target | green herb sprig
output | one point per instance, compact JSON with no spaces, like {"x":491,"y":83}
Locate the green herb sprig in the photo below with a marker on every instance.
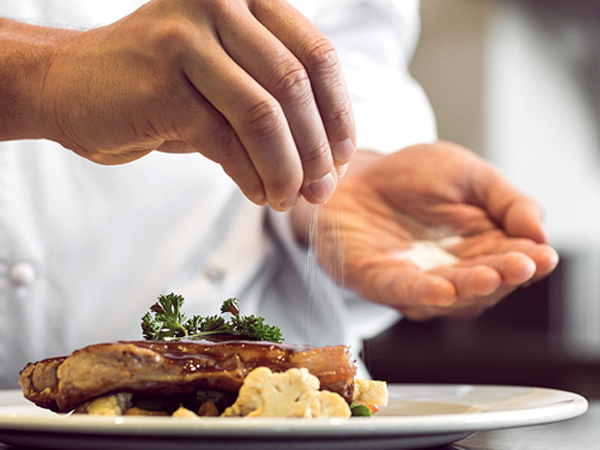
{"x":167,"y":322}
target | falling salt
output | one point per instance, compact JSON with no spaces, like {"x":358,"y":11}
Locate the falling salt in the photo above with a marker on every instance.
{"x":428,"y":255}
{"x":310,"y":274}
{"x":318,"y":287}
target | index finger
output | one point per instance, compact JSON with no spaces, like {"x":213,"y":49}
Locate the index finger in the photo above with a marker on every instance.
{"x":400,"y":284}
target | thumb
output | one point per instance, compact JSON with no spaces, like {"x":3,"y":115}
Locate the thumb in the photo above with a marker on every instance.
{"x":517,"y":214}
{"x":524,"y":218}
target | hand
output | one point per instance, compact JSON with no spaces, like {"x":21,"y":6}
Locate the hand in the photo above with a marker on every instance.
{"x":425,"y":197}
{"x":250,"y":84}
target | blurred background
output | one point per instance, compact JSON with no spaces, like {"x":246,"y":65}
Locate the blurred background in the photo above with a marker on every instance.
{"x":517,"y":81}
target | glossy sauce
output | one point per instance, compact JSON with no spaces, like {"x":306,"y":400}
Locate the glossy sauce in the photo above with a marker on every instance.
{"x":225,"y":356}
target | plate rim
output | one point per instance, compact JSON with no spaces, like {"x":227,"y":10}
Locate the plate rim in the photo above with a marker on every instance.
{"x":571,"y":406}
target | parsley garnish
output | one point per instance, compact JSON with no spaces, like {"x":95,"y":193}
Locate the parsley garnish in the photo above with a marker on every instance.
{"x":167,"y":322}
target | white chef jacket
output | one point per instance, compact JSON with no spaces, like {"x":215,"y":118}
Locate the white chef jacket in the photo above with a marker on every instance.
{"x":85,"y":249}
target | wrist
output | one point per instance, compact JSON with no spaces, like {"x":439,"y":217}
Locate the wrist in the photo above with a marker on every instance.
{"x":26,"y":54}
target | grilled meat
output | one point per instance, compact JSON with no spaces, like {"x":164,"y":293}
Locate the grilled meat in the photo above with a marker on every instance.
{"x":176,"y":367}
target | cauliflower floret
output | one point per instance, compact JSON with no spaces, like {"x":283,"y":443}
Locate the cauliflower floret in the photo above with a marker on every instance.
{"x":294,"y":393}
{"x":370,"y":392}
{"x":107,"y":405}
{"x":184,"y":413}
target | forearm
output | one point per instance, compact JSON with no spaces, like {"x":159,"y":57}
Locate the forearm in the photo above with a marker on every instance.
{"x":25,"y":56}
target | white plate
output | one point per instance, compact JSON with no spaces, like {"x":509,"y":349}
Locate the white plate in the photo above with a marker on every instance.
{"x":418,"y":416}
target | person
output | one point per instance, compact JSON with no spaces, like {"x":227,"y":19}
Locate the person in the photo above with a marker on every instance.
{"x":281,"y":99}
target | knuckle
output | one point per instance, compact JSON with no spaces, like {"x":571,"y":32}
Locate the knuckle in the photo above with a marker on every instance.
{"x":215,"y":7}
{"x":263,"y":119}
{"x":316,"y":156}
{"x":170,"y":35}
{"x":218,"y":13}
{"x":292,"y":81}
{"x":230,"y":152}
{"x":343,"y":114}
{"x":322,"y":56}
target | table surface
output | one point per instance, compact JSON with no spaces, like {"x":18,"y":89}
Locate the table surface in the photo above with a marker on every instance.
{"x":580,"y":433}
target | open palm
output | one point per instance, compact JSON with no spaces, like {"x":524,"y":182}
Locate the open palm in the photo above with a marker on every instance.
{"x":432,"y":230}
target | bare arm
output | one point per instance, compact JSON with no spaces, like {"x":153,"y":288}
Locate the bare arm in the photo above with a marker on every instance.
{"x":25,"y":56}
{"x":250,"y":84}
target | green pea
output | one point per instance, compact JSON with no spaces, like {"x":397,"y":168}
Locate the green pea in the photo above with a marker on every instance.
{"x":360,"y":410}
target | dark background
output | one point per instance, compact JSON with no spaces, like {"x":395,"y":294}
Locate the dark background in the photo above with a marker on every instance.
{"x":518,"y":342}
{"x":523,"y":340}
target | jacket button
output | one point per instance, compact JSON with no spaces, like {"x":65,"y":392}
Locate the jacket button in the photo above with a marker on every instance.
{"x":22,"y":274}
{"x":215,"y":274}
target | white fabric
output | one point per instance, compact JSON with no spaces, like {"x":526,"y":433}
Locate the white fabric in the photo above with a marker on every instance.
{"x":85,"y":249}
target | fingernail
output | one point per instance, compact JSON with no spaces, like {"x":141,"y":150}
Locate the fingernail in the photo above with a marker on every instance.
{"x":343,"y":151}
{"x":289,"y":203}
{"x":322,"y":189}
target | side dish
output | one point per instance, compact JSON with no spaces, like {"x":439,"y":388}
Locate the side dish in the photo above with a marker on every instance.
{"x":179,"y":372}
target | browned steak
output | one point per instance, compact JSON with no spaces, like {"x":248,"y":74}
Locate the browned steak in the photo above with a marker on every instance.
{"x":163,"y":368}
